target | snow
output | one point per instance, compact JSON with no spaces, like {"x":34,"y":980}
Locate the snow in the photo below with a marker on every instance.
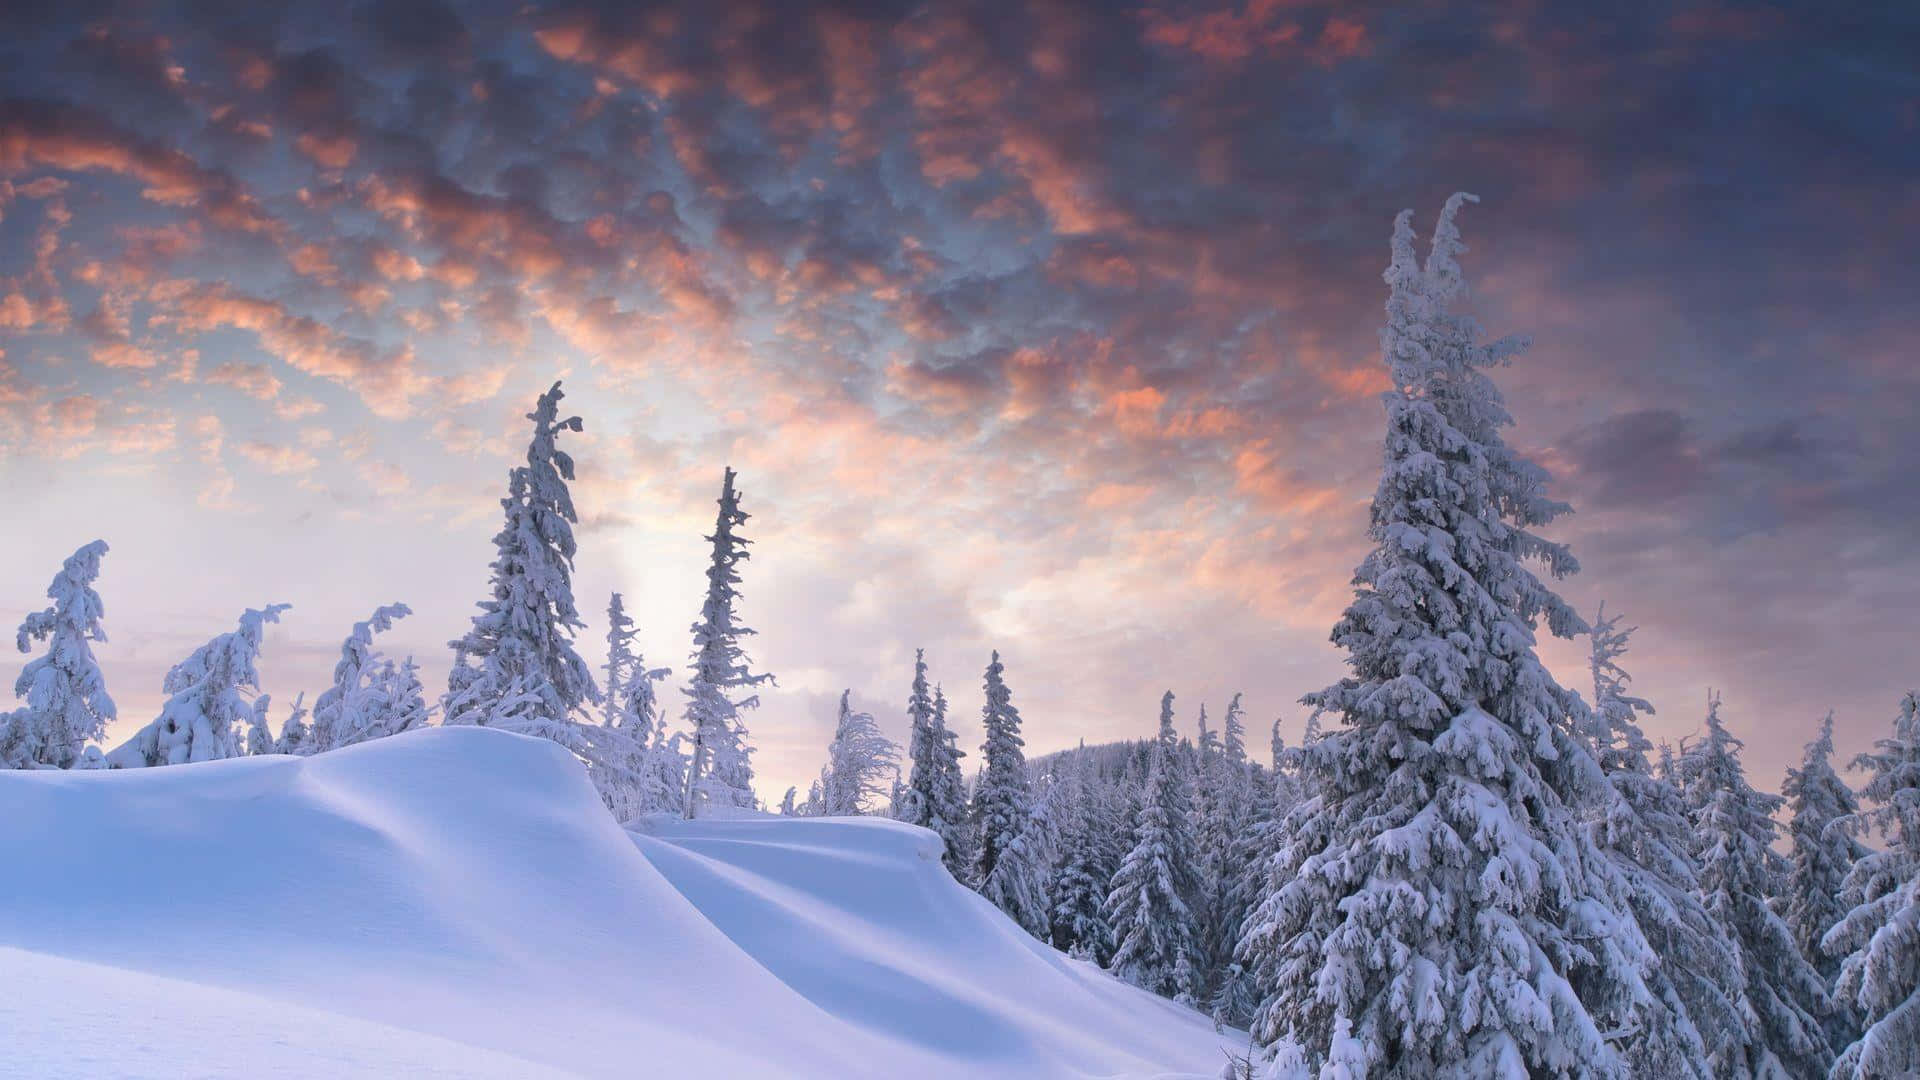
{"x":457,"y":901}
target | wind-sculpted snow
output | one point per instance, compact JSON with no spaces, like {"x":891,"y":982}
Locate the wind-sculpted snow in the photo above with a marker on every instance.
{"x":461,"y":897}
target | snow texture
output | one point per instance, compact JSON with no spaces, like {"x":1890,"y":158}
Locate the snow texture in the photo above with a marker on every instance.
{"x":458,"y":902}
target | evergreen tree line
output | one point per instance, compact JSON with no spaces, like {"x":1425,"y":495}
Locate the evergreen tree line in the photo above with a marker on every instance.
{"x":1472,"y":871}
{"x":1476,"y":871}
{"x":515,"y":668}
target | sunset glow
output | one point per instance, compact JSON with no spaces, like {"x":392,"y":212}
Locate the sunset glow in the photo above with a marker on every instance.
{"x":1038,"y":327}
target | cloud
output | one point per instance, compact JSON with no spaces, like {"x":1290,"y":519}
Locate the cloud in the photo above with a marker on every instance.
{"x":253,"y":380}
{"x":384,"y":379}
{"x":43,"y":134}
{"x":1058,"y":322}
{"x":1639,"y":458}
{"x":276,"y":459}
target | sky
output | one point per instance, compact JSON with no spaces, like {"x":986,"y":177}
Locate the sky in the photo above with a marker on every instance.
{"x":1042,"y":327}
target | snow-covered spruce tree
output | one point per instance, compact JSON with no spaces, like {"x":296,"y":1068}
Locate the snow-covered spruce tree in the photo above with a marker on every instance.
{"x":916,"y":804}
{"x":294,"y":733}
{"x":353,"y":709}
{"x":1023,"y":875}
{"x":403,"y":699}
{"x":1233,"y":733}
{"x":936,"y":796}
{"x":862,"y":764}
{"x":1785,"y":999}
{"x":1080,"y":882}
{"x":1822,"y":853}
{"x":1003,"y":797}
{"x":210,"y":694}
{"x":1696,"y":988}
{"x":259,"y":734}
{"x":721,"y":773}
{"x":1149,"y":904}
{"x":66,"y":697}
{"x":1223,"y":813}
{"x":1437,"y":900}
{"x":1251,"y":851}
{"x":516,"y":667}
{"x":636,"y":767}
{"x":1879,"y":938}
{"x":953,"y":782}
{"x":620,"y":662}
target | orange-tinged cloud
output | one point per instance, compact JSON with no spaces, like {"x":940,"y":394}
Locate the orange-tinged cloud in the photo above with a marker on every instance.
{"x":120,"y":354}
{"x":35,"y":135}
{"x":1136,"y":411}
{"x":384,"y":380}
{"x":1222,"y":37}
{"x":74,"y":417}
{"x":253,"y":380}
{"x":328,"y":151}
{"x":276,"y":459}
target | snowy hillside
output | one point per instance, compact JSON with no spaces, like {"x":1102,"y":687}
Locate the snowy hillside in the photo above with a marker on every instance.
{"x":456,"y":902}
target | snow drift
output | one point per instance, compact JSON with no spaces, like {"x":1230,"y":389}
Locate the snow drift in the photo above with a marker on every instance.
{"x":456,"y":902}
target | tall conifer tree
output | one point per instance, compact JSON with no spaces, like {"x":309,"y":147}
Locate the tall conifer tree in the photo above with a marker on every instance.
{"x":516,"y":666}
{"x":1437,"y":900}
{"x":721,"y":772}
{"x":1150,"y":902}
{"x":1879,"y":938}
{"x":1785,"y":1000}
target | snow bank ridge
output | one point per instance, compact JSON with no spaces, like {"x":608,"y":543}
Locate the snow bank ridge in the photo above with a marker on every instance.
{"x":459,"y":895}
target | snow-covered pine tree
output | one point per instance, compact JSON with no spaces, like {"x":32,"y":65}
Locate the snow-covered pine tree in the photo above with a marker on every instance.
{"x":935,"y":797}
{"x":403,"y":699}
{"x":516,"y":667}
{"x":862,"y":764}
{"x":354,"y":708}
{"x":66,"y":697}
{"x":1664,"y":764}
{"x":1822,"y":853}
{"x":1695,"y":989}
{"x":787,"y":805}
{"x":1223,"y":812}
{"x":1879,"y":938}
{"x":1149,"y":903}
{"x":1437,"y":898}
{"x":1233,"y":733}
{"x":259,"y":734}
{"x":1080,"y":883}
{"x":916,"y":804}
{"x":1786,"y":1001}
{"x":1002,"y":799}
{"x":666,"y":771}
{"x":294,"y":733}
{"x":620,"y":662}
{"x":632,"y":762}
{"x":721,"y":772}
{"x":1023,"y":875}
{"x":1251,"y":851}
{"x":952,"y":783}
{"x":210,"y":694}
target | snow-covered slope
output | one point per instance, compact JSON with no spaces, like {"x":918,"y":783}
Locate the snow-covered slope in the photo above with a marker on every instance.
{"x":457,"y":900}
